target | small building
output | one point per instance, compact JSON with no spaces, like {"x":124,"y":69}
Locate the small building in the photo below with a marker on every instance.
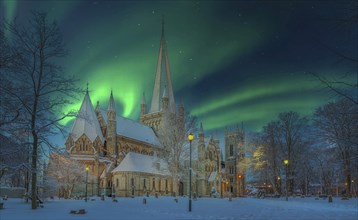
{"x":140,"y":174}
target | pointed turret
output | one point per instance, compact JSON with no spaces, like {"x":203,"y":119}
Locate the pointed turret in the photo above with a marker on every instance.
{"x":201,"y":143}
{"x":100,"y":118}
{"x":111,"y":105}
{"x":162,"y":76}
{"x":181,"y":114}
{"x":111,"y":134}
{"x":86,"y":122}
{"x":201,"y":133}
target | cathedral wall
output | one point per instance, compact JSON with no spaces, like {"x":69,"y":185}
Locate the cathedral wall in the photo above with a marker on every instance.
{"x":128,"y":184}
{"x":126,"y":145}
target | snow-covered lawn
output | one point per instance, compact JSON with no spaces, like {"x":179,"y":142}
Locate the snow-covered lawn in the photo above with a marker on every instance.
{"x":203,"y":208}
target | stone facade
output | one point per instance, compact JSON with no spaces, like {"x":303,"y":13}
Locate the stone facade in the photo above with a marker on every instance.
{"x":234,"y":176}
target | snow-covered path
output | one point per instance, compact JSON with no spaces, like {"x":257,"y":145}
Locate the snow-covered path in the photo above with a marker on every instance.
{"x":204,"y":208}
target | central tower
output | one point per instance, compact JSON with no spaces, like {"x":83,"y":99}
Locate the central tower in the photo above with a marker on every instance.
{"x":163,"y":97}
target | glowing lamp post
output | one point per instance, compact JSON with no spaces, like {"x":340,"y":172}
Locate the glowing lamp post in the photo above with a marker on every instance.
{"x":286,"y":168}
{"x":240,"y":187}
{"x":279,"y":184}
{"x":86,"y":182}
{"x":190,"y":138}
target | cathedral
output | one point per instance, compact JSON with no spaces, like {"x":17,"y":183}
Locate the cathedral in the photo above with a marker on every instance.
{"x":125,"y":157}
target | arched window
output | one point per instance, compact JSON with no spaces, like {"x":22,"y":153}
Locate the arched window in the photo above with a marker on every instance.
{"x":153,"y":184}
{"x":144,"y":183}
{"x":231,"y":150}
{"x":117,"y":182}
{"x":132,"y":181}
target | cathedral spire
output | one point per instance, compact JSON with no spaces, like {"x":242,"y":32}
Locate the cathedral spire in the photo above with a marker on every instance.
{"x":165,"y":95}
{"x":162,"y":78}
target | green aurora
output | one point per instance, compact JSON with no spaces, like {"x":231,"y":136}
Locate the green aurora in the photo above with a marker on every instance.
{"x":243,"y":46}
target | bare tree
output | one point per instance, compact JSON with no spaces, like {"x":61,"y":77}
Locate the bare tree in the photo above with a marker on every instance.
{"x":10,"y":108}
{"x":267,"y":156}
{"x":38,"y":83}
{"x":173,"y":135}
{"x":291,"y":129}
{"x":344,"y":84}
{"x":337,"y":124}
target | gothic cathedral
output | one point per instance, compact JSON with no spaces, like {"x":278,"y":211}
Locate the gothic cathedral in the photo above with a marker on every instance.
{"x":125,"y":157}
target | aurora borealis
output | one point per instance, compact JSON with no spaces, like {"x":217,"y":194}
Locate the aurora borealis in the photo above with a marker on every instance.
{"x":231,"y":61}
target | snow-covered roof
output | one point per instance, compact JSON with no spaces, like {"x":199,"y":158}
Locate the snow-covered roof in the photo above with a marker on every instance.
{"x":135,"y":130}
{"x":135,"y":162}
{"x":87,"y":122}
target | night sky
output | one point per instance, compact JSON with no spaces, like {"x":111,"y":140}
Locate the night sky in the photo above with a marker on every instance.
{"x":231,"y":62}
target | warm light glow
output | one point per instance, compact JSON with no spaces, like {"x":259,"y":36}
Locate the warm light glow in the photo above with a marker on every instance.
{"x":239,"y":176}
{"x":87,"y":168}
{"x":285,"y":162}
{"x":278,"y":178}
{"x":190,"y":137}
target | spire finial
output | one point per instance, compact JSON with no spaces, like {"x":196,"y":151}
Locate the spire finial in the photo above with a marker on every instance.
{"x":111,"y":105}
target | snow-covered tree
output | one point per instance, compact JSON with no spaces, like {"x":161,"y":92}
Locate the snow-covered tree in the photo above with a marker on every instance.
{"x":14,"y":163}
{"x":173,"y":135}
{"x":63,"y":175}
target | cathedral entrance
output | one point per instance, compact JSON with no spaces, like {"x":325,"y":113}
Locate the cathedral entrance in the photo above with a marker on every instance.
{"x":181,"y":188}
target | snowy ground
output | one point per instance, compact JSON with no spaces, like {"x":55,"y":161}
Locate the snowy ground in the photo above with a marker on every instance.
{"x":203,"y":208}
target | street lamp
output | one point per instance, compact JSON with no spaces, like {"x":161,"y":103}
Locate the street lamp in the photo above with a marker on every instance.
{"x":279,"y":184}
{"x":286,"y":168}
{"x":190,"y":138}
{"x":86,"y":183}
{"x":240,"y":188}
